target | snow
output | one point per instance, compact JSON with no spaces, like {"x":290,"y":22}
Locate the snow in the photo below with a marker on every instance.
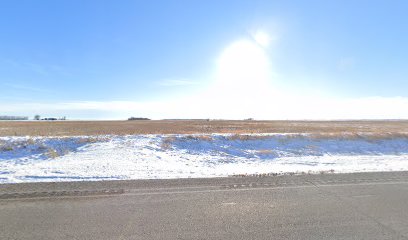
{"x":35,"y":159}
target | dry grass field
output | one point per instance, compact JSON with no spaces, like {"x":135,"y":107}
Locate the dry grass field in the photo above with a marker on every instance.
{"x":75,"y":128}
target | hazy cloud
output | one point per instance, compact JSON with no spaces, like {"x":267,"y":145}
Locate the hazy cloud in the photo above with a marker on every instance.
{"x":200,"y":107}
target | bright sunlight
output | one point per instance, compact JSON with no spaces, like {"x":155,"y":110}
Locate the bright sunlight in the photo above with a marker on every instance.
{"x":243,"y":69}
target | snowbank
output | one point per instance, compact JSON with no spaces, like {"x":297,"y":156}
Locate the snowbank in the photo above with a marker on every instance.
{"x":33,"y":159}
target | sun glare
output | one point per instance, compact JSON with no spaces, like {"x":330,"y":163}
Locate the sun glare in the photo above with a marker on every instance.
{"x":243,"y":70}
{"x":262,"y":39}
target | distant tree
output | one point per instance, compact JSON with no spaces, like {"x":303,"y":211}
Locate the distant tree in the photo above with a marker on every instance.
{"x":137,"y":118}
{"x":37,"y":117}
{"x":14,"y":118}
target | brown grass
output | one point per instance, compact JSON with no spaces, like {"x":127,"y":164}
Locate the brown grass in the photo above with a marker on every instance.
{"x":93,"y":139}
{"x":264,"y":152}
{"x":378,"y":129}
{"x":52,"y":153}
{"x":199,"y":137}
{"x":359,"y":135}
{"x":167,"y":143}
{"x":246,"y":137}
{"x":6,"y":148}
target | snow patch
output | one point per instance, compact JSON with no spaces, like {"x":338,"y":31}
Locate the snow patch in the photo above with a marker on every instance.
{"x":35,"y":159}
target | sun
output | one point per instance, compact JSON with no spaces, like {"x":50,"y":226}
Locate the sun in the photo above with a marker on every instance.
{"x":242,"y":83}
{"x":262,"y":38}
{"x":243,"y":69}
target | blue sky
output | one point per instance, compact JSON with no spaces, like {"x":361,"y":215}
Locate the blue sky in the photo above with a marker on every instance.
{"x":151,"y":58}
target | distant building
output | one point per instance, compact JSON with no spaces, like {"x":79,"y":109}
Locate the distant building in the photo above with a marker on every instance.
{"x":49,"y":119}
{"x":53,"y":119}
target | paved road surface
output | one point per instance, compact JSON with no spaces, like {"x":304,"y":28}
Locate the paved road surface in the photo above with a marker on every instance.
{"x":332,"y":206}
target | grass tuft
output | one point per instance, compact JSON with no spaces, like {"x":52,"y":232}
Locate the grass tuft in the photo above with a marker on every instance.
{"x":167,"y":143}
{"x":246,"y":137}
{"x":6,"y":148}
{"x":198,"y":137}
{"x":265,"y":152}
{"x":52,"y":153}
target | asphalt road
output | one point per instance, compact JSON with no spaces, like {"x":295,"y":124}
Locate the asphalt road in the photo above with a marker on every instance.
{"x":330,"y":206}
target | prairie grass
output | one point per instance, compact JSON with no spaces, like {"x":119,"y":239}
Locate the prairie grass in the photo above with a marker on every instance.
{"x":198,"y":137}
{"x":93,"y":139}
{"x":10,"y":146}
{"x":381,"y":128}
{"x":6,"y":148}
{"x":246,"y":137}
{"x":358,"y":135}
{"x":265,"y":152}
{"x":52,"y":153}
{"x":88,"y":140}
{"x":167,"y":143}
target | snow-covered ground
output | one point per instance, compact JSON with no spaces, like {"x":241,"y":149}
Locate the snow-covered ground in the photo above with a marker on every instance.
{"x":34,"y":159}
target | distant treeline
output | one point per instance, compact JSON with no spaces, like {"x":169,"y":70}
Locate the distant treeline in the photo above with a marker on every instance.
{"x":137,"y":118}
{"x":13,"y":118}
{"x":38,"y":117}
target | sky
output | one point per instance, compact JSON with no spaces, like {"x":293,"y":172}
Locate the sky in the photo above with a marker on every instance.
{"x":87,"y":59}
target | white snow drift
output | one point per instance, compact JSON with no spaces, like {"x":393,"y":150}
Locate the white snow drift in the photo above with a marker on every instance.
{"x":33,"y":159}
